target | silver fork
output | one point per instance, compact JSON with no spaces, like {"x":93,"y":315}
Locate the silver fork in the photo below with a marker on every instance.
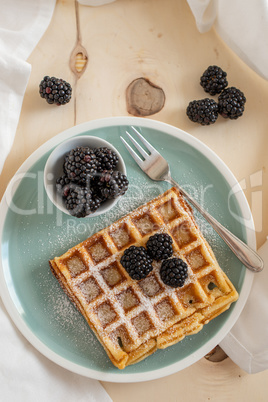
{"x":157,"y":168}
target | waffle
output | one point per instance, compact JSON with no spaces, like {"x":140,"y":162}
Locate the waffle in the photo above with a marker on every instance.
{"x":132,"y":319}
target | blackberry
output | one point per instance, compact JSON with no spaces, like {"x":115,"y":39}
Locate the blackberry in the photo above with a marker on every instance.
{"x":174,"y":272}
{"x":63,"y":184}
{"x":107,"y":158}
{"x":231,"y":103}
{"x":111,"y":184}
{"x":137,"y":262}
{"x":95,"y":202}
{"x":203,"y":111}
{"x":81,"y":165}
{"x":55,"y":90}
{"x":159,"y":246}
{"x":80,"y":202}
{"x":213,"y":80}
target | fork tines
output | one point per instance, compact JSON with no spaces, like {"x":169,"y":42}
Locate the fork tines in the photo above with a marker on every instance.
{"x":149,"y":149}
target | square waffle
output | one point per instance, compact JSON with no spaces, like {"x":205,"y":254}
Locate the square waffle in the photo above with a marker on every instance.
{"x":132,"y":319}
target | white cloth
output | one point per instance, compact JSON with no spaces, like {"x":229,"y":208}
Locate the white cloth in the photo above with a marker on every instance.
{"x":28,"y":376}
{"x":22,"y":23}
{"x":25,"y":375}
{"x":242,"y":24}
{"x":247,"y":342}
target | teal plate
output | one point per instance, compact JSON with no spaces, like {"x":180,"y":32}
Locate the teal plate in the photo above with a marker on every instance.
{"x":33,"y":231}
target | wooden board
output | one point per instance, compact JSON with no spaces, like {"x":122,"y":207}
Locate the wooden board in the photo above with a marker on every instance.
{"x":156,"y":41}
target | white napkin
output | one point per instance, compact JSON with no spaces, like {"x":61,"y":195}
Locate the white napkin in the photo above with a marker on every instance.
{"x":22,"y":23}
{"x":14,"y":75}
{"x":25,"y":375}
{"x":242,"y":24}
{"x":247,"y":342}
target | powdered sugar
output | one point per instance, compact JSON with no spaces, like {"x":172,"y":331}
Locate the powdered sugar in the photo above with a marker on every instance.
{"x":65,"y":323}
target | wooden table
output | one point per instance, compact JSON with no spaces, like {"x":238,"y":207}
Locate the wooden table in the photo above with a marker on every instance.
{"x":157,"y":41}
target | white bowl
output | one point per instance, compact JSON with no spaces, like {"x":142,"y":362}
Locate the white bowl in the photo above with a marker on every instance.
{"x":54,"y":169}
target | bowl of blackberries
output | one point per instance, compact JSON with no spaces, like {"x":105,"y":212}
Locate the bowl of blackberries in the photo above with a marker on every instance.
{"x":85,"y":176}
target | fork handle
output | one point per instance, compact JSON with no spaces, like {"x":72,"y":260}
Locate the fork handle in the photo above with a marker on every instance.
{"x":243,"y":252}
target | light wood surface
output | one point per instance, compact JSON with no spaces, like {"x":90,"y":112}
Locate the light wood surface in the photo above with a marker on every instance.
{"x":156,"y":40}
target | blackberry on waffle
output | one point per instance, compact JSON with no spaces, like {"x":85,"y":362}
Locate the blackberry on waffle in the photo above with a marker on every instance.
{"x":159,"y":246}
